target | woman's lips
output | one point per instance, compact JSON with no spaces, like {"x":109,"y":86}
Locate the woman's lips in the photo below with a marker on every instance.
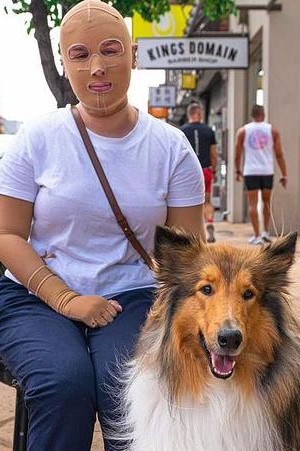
{"x":100,"y":87}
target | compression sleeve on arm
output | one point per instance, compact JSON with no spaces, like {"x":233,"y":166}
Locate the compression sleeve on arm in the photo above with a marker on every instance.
{"x":50,"y":288}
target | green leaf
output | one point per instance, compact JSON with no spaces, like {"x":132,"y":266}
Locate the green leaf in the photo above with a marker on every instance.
{"x":218,"y":9}
{"x":150,"y":10}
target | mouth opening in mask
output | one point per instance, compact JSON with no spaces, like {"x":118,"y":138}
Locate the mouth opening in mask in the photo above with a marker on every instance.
{"x":99,"y":87}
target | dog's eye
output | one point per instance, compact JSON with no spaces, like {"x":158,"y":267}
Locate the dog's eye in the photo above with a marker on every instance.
{"x":207,"y":290}
{"x":248,"y":294}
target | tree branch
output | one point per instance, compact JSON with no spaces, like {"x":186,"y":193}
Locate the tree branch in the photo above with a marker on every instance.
{"x":58,"y":85}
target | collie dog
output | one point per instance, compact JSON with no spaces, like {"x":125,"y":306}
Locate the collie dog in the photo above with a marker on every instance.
{"x":217,"y":366}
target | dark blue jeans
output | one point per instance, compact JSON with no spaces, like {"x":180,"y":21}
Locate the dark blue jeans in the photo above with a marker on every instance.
{"x":64,"y":367}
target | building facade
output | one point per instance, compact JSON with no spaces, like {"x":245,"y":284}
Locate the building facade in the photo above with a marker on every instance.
{"x":272,"y":80}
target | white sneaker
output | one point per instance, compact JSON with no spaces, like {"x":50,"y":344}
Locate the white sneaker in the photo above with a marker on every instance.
{"x":256,"y":240}
{"x":266,"y":237}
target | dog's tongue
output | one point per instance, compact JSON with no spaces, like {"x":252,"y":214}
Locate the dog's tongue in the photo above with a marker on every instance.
{"x":222,"y":363}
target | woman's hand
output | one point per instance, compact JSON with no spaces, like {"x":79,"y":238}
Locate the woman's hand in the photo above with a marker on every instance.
{"x":94,"y":311}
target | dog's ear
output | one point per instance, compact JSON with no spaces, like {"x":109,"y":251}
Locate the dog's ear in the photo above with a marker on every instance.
{"x":278,"y":258}
{"x":283,"y":248}
{"x":166,"y":237}
{"x":174,"y":252}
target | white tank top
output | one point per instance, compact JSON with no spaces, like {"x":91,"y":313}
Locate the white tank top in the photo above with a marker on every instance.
{"x":258,"y":146}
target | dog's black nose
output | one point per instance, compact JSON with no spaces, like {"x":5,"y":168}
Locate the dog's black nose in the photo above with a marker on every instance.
{"x":230,"y":339}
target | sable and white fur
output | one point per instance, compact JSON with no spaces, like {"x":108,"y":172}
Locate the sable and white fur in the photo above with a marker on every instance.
{"x":185,"y":391}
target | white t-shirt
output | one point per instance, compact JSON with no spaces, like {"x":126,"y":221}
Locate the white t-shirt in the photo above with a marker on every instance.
{"x":149,"y":169}
{"x":258,"y":146}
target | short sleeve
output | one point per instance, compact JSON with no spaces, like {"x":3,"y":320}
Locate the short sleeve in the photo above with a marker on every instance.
{"x":186,"y":184}
{"x":17,"y":171}
{"x":213,"y":138}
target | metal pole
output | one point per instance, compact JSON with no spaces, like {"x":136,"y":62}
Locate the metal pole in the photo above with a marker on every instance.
{"x":21,"y":422}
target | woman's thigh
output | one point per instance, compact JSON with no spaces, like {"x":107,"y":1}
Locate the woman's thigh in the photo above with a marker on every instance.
{"x":110,"y":348}
{"x":40,"y":346}
{"x":49,"y":356}
{"x":113,"y":344}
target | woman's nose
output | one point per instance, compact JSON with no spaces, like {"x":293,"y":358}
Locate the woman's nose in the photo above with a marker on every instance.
{"x":97,"y":66}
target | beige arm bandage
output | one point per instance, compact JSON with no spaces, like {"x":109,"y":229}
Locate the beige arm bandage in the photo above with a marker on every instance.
{"x":92,"y":310}
{"x":51,"y":289}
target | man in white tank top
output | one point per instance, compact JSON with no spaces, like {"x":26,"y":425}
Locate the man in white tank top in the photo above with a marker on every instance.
{"x":258,"y":141}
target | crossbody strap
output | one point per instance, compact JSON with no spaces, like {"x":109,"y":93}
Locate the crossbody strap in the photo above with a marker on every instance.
{"x":122,"y":221}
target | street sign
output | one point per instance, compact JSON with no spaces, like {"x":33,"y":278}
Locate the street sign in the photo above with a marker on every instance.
{"x":207,"y":52}
{"x":162,"y":96}
{"x":188,"y":81}
{"x":159,"y":112}
{"x":172,"y":23}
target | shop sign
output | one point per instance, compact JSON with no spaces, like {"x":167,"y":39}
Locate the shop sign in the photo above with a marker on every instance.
{"x":172,"y":23}
{"x":162,"y":96}
{"x":159,"y":112}
{"x":217,"y":52}
{"x":188,"y":80}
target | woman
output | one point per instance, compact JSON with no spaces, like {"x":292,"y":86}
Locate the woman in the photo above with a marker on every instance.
{"x":76,"y":293}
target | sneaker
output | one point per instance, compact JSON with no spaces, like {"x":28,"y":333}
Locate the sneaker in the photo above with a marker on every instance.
{"x":266,"y":237}
{"x":256,"y":240}
{"x":211,"y":233}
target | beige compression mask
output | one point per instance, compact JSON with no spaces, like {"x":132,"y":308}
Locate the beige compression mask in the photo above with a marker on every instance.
{"x":97,"y":55}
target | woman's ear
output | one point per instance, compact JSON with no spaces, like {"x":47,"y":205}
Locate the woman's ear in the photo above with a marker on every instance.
{"x":134,"y":56}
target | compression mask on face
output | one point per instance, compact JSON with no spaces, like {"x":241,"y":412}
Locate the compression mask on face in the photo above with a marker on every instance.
{"x":97,"y":55}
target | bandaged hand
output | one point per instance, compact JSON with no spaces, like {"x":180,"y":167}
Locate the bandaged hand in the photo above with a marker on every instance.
{"x":93,"y":310}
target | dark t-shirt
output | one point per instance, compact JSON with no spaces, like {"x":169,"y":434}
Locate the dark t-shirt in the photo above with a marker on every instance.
{"x":201,"y":138}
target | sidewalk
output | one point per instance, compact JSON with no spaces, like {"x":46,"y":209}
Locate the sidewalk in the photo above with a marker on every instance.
{"x":237,"y":234}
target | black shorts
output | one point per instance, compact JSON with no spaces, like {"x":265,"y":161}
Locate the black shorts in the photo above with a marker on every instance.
{"x":258,"y":182}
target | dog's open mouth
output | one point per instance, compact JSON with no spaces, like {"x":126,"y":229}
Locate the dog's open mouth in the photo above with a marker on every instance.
{"x":221,"y":365}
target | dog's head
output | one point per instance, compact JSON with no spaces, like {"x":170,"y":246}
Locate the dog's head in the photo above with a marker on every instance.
{"x":222,"y":306}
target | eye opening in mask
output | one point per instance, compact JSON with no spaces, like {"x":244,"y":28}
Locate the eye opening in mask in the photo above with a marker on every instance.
{"x":78,"y":52}
{"x":111,"y":48}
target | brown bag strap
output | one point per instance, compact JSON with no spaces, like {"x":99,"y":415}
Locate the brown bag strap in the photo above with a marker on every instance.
{"x":122,"y":221}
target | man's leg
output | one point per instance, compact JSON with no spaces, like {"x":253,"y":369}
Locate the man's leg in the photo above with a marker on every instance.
{"x":252,"y":208}
{"x":48,"y":354}
{"x":110,"y":346}
{"x":253,"y":186}
{"x":266,"y":198}
{"x":208,"y":209}
{"x":267,"y":187}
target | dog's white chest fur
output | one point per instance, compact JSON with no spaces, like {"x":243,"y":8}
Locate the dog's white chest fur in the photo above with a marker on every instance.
{"x":221,"y":421}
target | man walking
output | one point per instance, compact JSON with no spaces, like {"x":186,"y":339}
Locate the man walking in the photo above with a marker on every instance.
{"x":203,"y":141}
{"x":259,"y":140}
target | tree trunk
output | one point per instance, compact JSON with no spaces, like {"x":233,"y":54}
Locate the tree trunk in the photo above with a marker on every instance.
{"x":58,"y":84}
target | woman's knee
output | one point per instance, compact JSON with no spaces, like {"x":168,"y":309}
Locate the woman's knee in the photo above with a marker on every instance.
{"x":68,"y":384}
